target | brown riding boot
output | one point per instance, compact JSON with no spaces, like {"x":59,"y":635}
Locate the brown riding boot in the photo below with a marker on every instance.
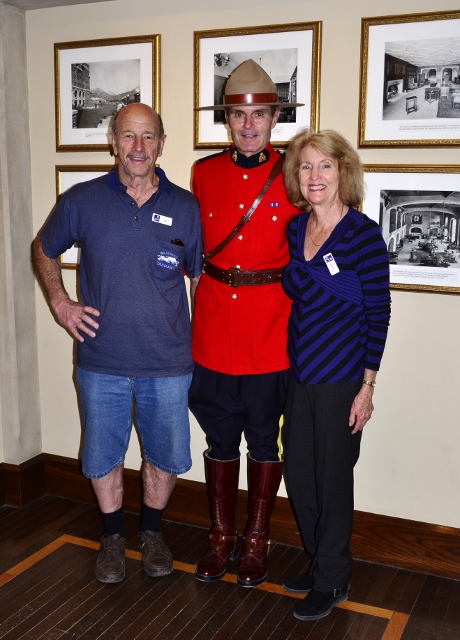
{"x":263,"y":482}
{"x":222,"y":483}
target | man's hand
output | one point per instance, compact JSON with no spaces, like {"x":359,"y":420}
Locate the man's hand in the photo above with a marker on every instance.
{"x":193,"y":285}
{"x":74,"y":317}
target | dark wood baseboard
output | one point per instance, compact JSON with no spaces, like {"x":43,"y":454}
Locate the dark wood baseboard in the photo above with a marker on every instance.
{"x":386,"y":540}
{"x":2,"y":485}
{"x":24,"y":483}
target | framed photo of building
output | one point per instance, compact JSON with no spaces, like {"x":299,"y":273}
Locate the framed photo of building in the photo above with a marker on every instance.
{"x":67,"y":176}
{"x":289,"y":53}
{"x":418,"y":210}
{"x":96,"y":78}
{"x":410,"y":80}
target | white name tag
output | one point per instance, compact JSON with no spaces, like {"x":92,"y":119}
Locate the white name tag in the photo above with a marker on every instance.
{"x":162,"y":219}
{"x":331,"y":264}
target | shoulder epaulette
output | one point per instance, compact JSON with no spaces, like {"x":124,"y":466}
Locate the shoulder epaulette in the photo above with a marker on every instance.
{"x":214,"y":155}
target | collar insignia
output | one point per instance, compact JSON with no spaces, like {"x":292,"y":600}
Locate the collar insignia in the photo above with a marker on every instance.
{"x":250,"y":162}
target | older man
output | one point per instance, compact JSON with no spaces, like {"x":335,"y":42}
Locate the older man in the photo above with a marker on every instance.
{"x":137,"y":232}
{"x":240,"y":324}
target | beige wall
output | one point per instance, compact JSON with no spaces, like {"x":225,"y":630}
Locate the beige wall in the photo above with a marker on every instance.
{"x":410,"y":454}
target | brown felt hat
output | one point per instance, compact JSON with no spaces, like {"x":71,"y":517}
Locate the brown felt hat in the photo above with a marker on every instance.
{"x":248,"y":85}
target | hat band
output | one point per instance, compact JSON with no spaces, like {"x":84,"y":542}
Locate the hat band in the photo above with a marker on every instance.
{"x":250,"y":98}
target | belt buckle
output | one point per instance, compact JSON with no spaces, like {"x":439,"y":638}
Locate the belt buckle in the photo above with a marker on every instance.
{"x":234,"y":277}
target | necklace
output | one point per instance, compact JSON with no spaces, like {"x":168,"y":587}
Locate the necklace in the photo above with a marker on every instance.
{"x":314,"y":243}
{"x":310,"y":237}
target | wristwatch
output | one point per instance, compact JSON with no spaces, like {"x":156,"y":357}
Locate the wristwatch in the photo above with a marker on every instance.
{"x":370,"y":383}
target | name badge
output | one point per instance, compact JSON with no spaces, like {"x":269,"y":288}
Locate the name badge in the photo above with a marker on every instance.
{"x":331,"y":264}
{"x":161,"y":219}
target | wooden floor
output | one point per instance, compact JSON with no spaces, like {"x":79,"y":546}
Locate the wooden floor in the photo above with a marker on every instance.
{"x":48,"y":590}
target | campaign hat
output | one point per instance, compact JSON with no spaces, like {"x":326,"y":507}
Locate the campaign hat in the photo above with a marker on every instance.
{"x":249,"y":85}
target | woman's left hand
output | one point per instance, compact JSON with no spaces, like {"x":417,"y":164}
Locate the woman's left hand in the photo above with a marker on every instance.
{"x":361,"y":409}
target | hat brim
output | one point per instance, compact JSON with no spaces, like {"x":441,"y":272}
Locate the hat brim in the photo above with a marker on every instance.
{"x":281,"y":105}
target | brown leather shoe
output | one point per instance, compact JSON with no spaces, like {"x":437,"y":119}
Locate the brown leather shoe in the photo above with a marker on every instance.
{"x":222,"y":483}
{"x":156,"y":556}
{"x":110,"y":562}
{"x":263,"y":482}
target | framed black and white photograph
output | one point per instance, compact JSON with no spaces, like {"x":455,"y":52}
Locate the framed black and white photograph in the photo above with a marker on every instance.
{"x":418,"y":210}
{"x":289,"y":53}
{"x":96,"y":78}
{"x":67,"y":176}
{"x":410,"y":80}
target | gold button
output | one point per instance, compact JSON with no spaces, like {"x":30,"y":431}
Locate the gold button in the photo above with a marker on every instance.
{"x":132,"y":203}
{"x":237,"y":266}
{"x":241,"y":206}
{"x":234,"y":296}
{"x":210,"y":215}
{"x":240,"y":237}
{"x":245,"y":176}
{"x":275,"y":218}
{"x":136,"y":217}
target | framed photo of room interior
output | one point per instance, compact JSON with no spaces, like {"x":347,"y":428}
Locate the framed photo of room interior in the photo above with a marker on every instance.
{"x":418,"y":210}
{"x":410,"y":80}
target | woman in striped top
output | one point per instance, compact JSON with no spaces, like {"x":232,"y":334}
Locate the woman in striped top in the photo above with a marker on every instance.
{"x":338,"y":279}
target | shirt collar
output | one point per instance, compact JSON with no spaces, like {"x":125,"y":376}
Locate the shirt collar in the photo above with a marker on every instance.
{"x":250,"y":162}
{"x":116,"y":183}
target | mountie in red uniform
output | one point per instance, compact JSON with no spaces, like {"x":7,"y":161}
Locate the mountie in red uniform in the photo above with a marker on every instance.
{"x":239,"y":339}
{"x":242,"y":330}
{"x":240,"y":350}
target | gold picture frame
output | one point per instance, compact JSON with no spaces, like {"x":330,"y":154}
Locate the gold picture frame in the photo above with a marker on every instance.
{"x":67,"y":176}
{"x":418,"y":210}
{"x":94,"y":79}
{"x":290,"y":53}
{"x":410,"y":83}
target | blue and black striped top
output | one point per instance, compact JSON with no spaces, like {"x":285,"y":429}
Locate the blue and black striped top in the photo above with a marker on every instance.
{"x":338,"y":324}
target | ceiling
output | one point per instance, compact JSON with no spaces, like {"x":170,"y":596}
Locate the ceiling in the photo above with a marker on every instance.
{"x":426,"y":53}
{"x":42,"y":4}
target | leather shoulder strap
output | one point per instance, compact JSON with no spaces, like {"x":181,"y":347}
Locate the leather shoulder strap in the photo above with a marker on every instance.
{"x":276,"y":170}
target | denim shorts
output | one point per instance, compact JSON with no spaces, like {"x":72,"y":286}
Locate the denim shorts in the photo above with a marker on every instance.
{"x":161,"y":418}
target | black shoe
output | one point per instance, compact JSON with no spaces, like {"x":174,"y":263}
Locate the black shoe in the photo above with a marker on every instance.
{"x":319,"y":605}
{"x":299,"y":584}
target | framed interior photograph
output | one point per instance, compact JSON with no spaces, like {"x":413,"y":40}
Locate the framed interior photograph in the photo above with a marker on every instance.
{"x":67,"y":176}
{"x":289,"y":53}
{"x":418,"y":210}
{"x":410,"y":80}
{"x":96,"y":78}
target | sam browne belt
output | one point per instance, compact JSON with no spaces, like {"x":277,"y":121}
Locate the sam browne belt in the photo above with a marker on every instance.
{"x":236,"y":277}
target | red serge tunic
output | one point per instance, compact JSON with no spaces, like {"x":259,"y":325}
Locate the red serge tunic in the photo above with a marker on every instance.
{"x":242,"y":330}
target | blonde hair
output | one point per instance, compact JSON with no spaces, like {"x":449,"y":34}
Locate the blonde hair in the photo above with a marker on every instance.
{"x":333,"y":145}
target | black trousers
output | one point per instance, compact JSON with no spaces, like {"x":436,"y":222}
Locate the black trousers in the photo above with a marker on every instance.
{"x":227,"y":406}
{"x":320,"y":454}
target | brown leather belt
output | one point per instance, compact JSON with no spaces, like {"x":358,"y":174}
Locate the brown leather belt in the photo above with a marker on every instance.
{"x":236,"y":277}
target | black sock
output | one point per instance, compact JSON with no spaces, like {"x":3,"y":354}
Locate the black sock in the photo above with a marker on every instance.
{"x":151,"y":519}
{"x":113,"y":523}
